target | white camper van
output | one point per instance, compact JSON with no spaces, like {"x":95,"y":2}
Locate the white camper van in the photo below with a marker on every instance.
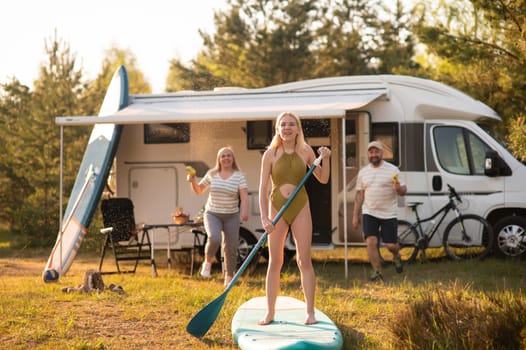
{"x":428,"y":129}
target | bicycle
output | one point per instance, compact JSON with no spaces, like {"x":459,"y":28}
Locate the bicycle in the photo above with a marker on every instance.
{"x":466,"y":236}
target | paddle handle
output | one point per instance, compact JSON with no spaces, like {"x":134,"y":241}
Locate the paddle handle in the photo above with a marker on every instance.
{"x":278,"y":216}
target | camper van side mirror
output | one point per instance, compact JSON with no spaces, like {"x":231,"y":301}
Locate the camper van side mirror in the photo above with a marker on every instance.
{"x":494,"y":165}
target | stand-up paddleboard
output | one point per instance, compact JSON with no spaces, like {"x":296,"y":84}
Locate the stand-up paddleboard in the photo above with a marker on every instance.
{"x":287,"y":331}
{"x":90,"y":182}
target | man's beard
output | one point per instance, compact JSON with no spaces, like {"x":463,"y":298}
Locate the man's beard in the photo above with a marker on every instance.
{"x":375,"y":161}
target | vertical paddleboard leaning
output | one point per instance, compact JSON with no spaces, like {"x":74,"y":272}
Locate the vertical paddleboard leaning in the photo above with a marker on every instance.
{"x":90,"y":182}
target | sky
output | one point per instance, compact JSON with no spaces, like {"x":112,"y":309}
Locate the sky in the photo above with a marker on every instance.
{"x":155,"y":31}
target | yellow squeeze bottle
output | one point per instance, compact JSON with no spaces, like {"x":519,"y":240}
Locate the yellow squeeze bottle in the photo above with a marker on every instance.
{"x":395,"y":178}
{"x":190,"y":170}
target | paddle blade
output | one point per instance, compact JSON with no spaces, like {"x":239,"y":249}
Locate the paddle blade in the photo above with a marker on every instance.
{"x":204,"y":319}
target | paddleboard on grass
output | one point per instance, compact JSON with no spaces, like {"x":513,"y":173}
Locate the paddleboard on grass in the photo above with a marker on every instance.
{"x":287,"y":331}
{"x":90,"y":182}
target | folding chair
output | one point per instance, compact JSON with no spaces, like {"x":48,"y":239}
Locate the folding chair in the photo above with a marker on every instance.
{"x":127,"y":242}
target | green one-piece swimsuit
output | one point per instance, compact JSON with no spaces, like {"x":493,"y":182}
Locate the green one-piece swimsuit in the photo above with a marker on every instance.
{"x":288,"y":169}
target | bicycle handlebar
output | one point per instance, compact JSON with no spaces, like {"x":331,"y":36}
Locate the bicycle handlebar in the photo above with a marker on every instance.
{"x":453,"y":193}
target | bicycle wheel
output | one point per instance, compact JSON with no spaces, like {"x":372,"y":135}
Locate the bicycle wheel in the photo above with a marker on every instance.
{"x":468,"y":236}
{"x":407,"y":238}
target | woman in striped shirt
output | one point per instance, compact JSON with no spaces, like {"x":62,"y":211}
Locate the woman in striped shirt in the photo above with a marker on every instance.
{"x":223,"y":210}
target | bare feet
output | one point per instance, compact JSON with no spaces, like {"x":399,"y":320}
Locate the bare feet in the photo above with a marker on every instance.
{"x":310,"y":320}
{"x":266,"y":320}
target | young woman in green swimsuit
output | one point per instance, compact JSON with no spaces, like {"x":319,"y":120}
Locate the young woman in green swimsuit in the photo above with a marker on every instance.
{"x":285,"y":163}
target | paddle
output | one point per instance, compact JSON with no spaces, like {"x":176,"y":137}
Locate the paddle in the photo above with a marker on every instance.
{"x":204,"y":319}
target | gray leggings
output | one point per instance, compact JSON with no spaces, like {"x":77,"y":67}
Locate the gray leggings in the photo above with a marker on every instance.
{"x":228,"y":224}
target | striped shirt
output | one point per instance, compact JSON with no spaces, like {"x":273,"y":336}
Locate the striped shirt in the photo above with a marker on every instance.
{"x":379,"y":195}
{"x":224,"y":193}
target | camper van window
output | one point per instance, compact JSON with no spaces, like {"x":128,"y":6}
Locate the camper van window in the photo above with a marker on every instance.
{"x":387,"y":133}
{"x":166,"y":133}
{"x":478,"y":152}
{"x":316,"y":127}
{"x":459,"y":151}
{"x":259,"y":134}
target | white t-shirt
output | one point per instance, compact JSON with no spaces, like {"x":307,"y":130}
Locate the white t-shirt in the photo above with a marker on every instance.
{"x":224,"y":193}
{"x":379,"y":195}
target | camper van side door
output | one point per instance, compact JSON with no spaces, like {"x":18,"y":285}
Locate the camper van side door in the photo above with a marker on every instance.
{"x":460,"y":156}
{"x":459,"y":151}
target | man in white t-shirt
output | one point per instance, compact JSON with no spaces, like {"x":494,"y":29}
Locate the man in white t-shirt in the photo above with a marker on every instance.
{"x":377,"y":188}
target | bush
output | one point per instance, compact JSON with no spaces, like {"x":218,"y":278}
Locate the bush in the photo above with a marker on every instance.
{"x":457,"y":318}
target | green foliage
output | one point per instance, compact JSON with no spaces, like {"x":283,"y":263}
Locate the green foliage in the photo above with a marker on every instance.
{"x":15,"y":103}
{"x":517,"y":136}
{"x":31,"y":150}
{"x":197,"y":78}
{"x":116,"y":57}
{"x":479,"y":46}
{"x":30,"y":139}
{"x":346,"y":39}
{"x":265,"y":42}
{"x":96,"y":90}
{"x":397,"y":43}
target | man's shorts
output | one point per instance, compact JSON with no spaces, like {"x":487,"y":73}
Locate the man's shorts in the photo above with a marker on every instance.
{"x":385,"y":228}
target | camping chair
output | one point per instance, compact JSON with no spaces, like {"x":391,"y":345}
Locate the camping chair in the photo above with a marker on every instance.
{"x":127,"y":242}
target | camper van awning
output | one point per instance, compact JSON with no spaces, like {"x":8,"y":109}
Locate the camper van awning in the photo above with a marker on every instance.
{"x":236,"y":105}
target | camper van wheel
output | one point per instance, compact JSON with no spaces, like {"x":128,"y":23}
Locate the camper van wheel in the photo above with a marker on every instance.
{"x":510,"y":233}
{"x":246,"y":242}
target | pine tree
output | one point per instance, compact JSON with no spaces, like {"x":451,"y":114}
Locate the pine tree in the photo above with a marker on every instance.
{"x":265,"y":42}
{"x":479,"y":46}
{"x":31,"y":148}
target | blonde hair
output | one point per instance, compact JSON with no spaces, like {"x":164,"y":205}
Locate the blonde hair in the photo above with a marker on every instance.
{"x":300,"y":138}
{"x":217,"y":167}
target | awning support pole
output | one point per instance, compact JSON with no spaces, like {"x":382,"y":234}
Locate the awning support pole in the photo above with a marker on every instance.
{"x":344,"y":180}
{"x":60,"y":228}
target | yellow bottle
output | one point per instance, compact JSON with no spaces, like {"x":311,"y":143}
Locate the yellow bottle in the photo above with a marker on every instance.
{"x":395,"y":178}
{"x":191,"y":171}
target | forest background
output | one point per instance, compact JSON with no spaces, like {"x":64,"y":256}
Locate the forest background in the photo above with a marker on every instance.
{"x":476,"y":46}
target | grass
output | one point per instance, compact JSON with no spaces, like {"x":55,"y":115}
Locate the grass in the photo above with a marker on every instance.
{"x":153,"y":312}
{"x":458,"y":318}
